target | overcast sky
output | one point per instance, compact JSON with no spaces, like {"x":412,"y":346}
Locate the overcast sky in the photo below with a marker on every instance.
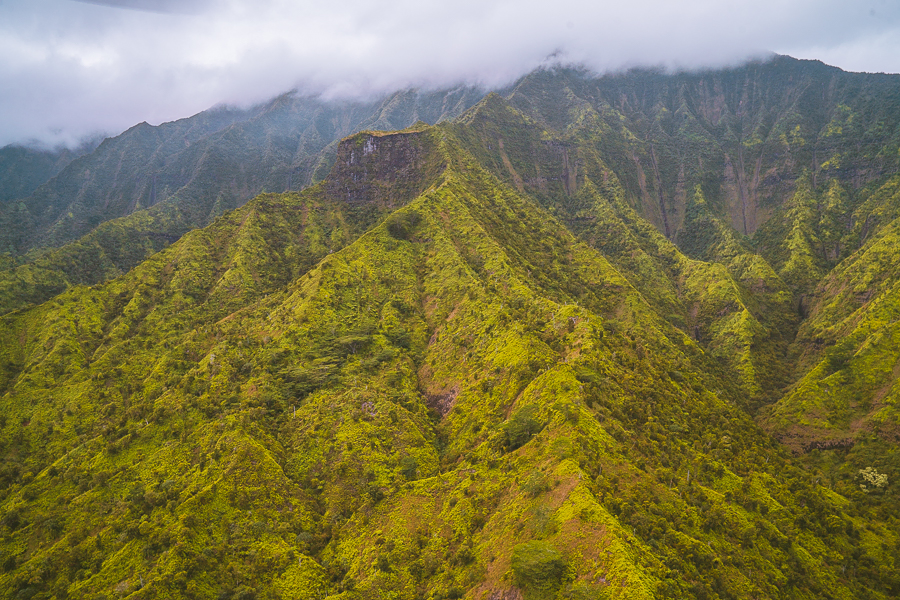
{"x":72,"y":68}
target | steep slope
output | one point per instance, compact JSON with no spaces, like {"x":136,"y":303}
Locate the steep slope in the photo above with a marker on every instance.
{"x":842,"y":411}
{"x":781,"y":150}
{"x":465,"y":401}
{"x":845,"y":350}
{"x":760,"y":146}
{"x":179,"y":176}
{"x":106,"y":183}
{"x":735,"y":305}
{"x":745,"y":135}
{"x":784,"y":173}
{"x":24,"y":169}
{"x":108,"y":251}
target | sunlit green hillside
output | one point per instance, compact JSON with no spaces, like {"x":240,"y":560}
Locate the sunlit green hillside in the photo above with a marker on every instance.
{"x":142,"y":190}
{"x":464,"y":401}
{"x":621,"y":337}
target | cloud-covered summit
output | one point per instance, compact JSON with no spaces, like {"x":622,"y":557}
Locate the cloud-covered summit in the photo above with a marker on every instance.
{"x":72,"y":68}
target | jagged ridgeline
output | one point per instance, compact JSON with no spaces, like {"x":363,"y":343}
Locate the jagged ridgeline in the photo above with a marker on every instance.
{"x":138,"y":192}
{"x":411,"y":380}
{"x":846,"y":354}
{"x":772,"y":190}
{"x":712,"y":159}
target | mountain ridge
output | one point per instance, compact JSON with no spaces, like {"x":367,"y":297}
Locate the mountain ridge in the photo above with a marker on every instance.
{"x":469,"y":364}
{"x":463,"y":400}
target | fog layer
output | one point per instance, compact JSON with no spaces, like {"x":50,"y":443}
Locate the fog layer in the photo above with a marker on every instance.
{"x":71,"y":69}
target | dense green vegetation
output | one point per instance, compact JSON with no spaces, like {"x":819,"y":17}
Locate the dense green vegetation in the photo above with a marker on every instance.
{"x":140,"y":191}
{"x":745,"y":137}
{"x":522,"y":354}
{"x":23,"y":169}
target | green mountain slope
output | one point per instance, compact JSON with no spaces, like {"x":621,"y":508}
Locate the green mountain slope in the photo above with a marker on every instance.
{"x":465,"y":400}
{"x":846,"y":353}
{"x":105,"y":183}
{"x":142,"y":190}
{"x":735,"y":305}
{"x":24,"y":169}
{"x":745,"y":135}
{"x":752,"y":143}
{"x":208,"y":163}
{"x":841,"y":412}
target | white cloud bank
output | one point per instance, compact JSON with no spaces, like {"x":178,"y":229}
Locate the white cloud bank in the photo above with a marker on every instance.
{"x":68,"y":69}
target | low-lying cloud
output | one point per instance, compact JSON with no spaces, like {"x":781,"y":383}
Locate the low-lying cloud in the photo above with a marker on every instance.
{"x":73,"y":68}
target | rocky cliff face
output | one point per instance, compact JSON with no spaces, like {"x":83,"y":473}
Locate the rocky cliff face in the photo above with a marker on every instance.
{"x":314,"y":397}
{"x":209,"y":163}
{"x":387,"y":169}
{"x":745,"y":135}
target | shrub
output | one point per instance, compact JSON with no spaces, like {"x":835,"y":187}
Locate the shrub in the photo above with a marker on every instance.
{"x":408,"y":466}
{"x":872,"y":479}
{"x":521,"y":427}
{"x":401,"y":225}
{"x":837,"y":356}
{"x":536,"y":483}
{"x":538,"y":568}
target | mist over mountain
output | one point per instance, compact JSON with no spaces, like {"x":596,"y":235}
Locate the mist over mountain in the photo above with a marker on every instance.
{"x":71,"y":68}
{"x":745,"y":135}
{"x":24,"y":168}
{"x":153,"y":184}
{"x":586,"y":336}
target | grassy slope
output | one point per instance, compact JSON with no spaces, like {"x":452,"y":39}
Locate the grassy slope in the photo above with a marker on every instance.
{"x":843,"y":406}
{"x":842,"y":409}
{"x":138,"y":192}
{"x":735,"y":306}
{"x":745,"y":135}
{"x":244,"y":415}
{"x":23,"y":169}
{"x":828,"y":198}
{"x":110,"y":250}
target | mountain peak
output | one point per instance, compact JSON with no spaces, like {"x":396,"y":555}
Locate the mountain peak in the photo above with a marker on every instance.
{"x":630,"y":336}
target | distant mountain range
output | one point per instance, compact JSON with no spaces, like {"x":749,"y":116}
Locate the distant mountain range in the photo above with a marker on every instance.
{"x":23,"y":169}
{"x":621,"y":336}
{"x":156,"y":183}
